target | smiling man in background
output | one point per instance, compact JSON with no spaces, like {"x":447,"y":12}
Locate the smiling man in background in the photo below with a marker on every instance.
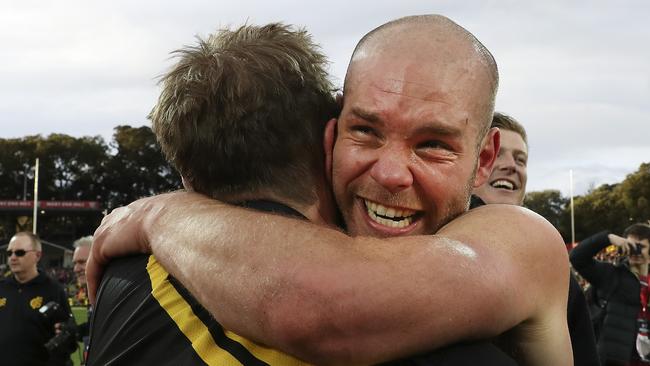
{"x":507,"y":185}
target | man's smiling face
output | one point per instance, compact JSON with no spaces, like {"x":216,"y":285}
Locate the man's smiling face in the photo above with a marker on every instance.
{"x":507,"y":183}
{"x":409,"y":139}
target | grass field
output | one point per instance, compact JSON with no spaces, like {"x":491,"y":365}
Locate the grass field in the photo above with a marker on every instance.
{"x":80,"y":316}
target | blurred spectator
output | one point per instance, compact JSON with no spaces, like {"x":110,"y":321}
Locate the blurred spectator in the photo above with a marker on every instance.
{"x":620,"y":291}
{"x":25,"y":327}
{"x":79,"y":258}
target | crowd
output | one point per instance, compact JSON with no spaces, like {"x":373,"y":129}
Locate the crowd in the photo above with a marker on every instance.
{"x":412,"y":143}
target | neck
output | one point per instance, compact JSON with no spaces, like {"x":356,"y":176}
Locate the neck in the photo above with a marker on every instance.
{"x":322,"y":211}
{"x":27,"y":276}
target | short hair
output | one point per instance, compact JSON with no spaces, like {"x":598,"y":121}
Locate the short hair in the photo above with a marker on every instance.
{"x":506,"y":122}
{"x":639,"y":230}
{"x":245,"y":110}
{"x":36,"y":241}
{"x":86,"y":241}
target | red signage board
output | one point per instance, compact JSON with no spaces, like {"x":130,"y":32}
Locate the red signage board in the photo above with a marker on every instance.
{"x":51,"y":205}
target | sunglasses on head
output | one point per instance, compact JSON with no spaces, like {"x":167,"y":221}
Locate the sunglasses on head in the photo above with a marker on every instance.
{"x":18,"y":252}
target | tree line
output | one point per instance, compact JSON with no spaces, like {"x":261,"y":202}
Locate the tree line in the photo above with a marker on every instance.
{"x":607,"y":207}
{"x":131,"y":166}
{"x":128,"y":167}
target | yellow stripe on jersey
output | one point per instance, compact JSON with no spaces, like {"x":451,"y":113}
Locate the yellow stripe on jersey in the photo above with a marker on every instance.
{"x":268,"y":355}
{"x":197,"y":332}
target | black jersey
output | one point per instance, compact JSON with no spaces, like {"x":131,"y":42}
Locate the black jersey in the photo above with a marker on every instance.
{"x":144,"y":316}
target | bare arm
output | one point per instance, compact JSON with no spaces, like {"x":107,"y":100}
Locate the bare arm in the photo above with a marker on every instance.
{"x":326,"y":297}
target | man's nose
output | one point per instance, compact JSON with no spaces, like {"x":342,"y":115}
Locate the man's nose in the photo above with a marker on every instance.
{"x":392,"y":171}
{"x":507,"y":163}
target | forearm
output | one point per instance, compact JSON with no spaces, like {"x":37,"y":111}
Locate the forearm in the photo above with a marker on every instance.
{"x":320,"y":294}
{"x":582,"y":256}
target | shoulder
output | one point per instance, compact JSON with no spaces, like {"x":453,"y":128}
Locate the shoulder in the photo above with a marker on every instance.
{"x":509,"y":225}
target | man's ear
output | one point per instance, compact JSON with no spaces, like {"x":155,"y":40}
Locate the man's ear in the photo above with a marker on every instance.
{"x":329,"y":139}
{"x":487,"y":156}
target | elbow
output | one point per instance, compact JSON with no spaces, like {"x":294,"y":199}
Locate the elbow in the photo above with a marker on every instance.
{"x":577,"y":261}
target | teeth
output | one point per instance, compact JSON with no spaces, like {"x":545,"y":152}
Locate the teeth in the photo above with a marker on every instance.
{"x":396,"y":218}
{"x":503,"y":184}
{"x":390,"y":212}
{"x":381,"y":210}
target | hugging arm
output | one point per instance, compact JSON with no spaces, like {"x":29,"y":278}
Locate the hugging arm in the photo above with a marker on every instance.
{"x":325,"y":297}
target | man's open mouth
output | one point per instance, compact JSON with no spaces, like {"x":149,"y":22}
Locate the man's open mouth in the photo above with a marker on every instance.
{"x":391,"y":216}
{"x":503,"y":184}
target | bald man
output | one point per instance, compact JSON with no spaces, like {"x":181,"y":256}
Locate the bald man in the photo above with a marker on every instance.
{"x":412,"y":141}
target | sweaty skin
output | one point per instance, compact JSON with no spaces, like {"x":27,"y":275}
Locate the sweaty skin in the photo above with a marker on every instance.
{"x":329,"y":298}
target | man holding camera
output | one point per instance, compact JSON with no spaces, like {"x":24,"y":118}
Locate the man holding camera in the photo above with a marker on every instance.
{"x":30,"y":304}
{"x":621,"y":291}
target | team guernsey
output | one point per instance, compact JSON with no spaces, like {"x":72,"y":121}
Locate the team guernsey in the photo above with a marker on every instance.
{"x":144,"y":316}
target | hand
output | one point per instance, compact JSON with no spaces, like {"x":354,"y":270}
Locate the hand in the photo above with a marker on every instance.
{"x":57,"y":328}
{"x":625,"y":247}
{"x":120,"y":233}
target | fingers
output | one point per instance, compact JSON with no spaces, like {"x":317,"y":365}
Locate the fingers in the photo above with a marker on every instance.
{"x":93,"y":277}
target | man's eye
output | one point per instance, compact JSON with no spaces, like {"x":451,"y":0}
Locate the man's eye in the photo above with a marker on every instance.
{"x":362,"y":130}
{"x":433,"y":144}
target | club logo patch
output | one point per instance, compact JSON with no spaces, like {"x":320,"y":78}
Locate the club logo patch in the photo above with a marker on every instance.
{"x":36,"y":302}
{"x":3,"y":301}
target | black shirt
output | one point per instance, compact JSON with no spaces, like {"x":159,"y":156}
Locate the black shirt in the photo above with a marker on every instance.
{"x":23,"y":329}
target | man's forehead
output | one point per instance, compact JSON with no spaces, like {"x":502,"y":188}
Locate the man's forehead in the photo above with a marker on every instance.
{"x":512,"y":140}
{"x":409,"y":89}
{"x":20,"y":241}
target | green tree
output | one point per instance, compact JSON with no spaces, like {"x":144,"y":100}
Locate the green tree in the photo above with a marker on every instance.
{"x":137,"y":168}
{"x":553,"y":207}
{"x":635,"y":194}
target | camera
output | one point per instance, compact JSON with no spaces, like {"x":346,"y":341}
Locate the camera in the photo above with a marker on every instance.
{"x":67,"y":336}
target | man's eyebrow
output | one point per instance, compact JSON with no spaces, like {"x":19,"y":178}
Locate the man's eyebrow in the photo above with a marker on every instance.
{"x":366,"y":115}
{"x":433,"y":128}
{"x":439,"y":129}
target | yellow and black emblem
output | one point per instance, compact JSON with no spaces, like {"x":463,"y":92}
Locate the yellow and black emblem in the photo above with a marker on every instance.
{"x":36,"y":302}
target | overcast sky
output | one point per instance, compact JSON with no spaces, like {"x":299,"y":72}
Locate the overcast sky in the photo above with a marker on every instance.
{"x":576,"y":74}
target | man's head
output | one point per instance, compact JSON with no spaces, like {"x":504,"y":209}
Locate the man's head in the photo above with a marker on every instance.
{"x":80,"y":257}
{"x":640,"y":234}
{"x":507,"y":183}
{"x":241,"y":115}
{"x":24,"y":252}
{"x":413,"y":138}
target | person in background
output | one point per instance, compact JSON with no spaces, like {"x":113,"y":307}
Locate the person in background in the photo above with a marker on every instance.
{"x":507,"y":185}
{"x":82,"y":248}
{"x":622,"y":289}
{"x":25,"y":296}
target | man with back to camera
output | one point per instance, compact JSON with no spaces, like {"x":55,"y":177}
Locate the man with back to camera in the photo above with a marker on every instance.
{"x":25,"y":330}
{"x":507,"y":185}
{"x":404,"y":161}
